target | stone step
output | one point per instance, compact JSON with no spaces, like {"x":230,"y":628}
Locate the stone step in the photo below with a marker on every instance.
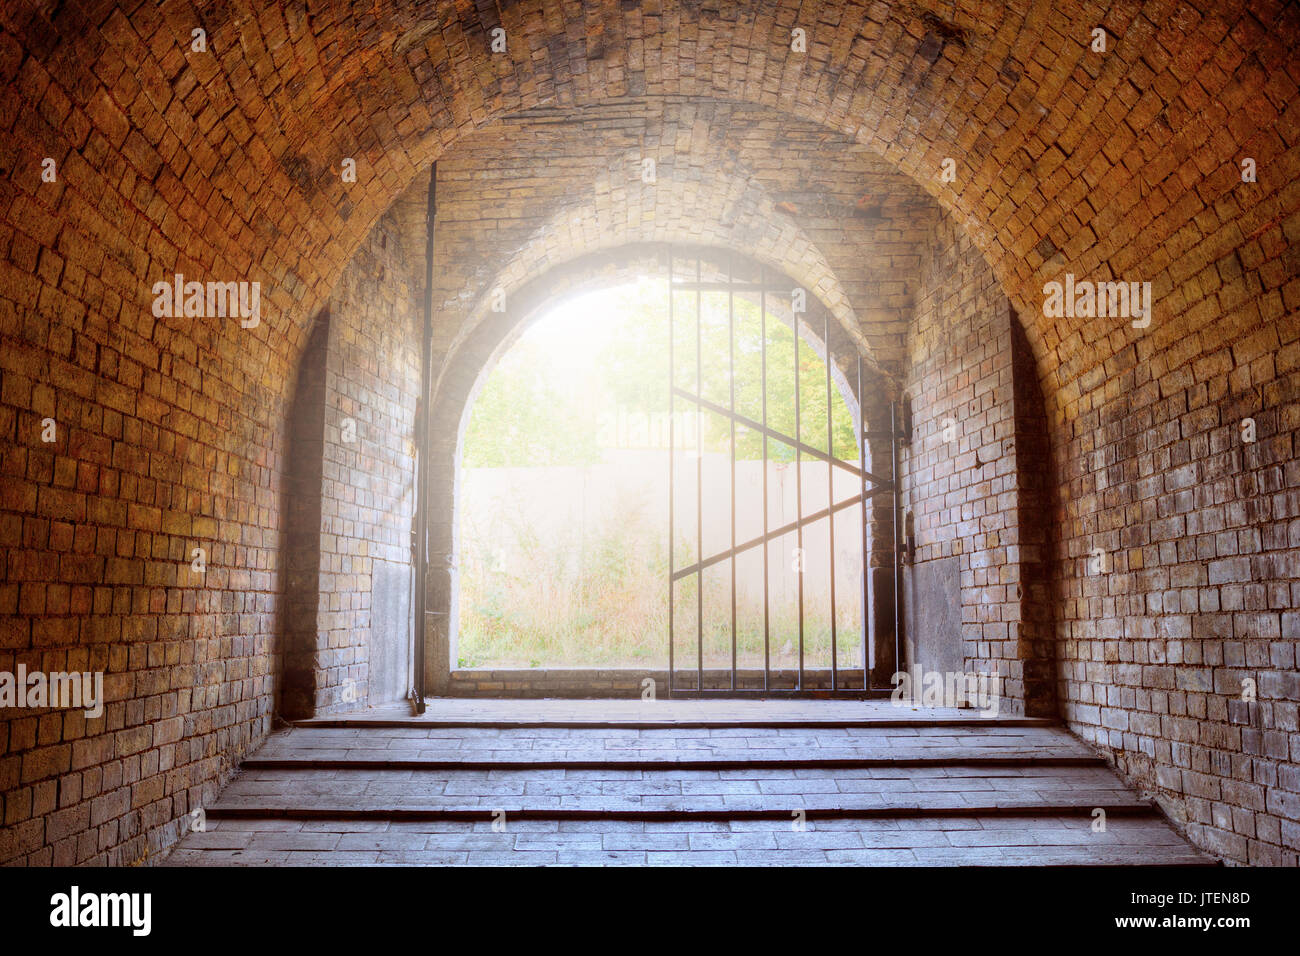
{"x":667,"y":738}
{"x":997,"y":840}
{"x":702,"y":782}
{"x":657,"y":760}
{"x":322,"y":808}
{"x":672,"y":793}
{"x":702,"y":748}
{"x":661,"y":714}
{"x":653,"y":724}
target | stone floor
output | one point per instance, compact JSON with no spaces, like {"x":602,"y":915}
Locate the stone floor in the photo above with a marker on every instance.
{"x":767,"y":713}
{"x":702,"y":782}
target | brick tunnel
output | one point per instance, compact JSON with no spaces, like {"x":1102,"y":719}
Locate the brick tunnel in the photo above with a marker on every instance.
{"x":211,"y":492}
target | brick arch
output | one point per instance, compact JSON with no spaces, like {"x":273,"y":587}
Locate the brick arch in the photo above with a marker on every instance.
{"x":795,"y":195}
{"x":531,"y":295}
{"x":718,"y":211}
{"x":491,"y":337}
{"x":298,"y":92}
{"x":1122,"y":165}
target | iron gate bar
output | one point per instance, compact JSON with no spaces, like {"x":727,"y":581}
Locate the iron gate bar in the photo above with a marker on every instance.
{"x":767,"y":538}
{"x":882,"y":483}
{"x":830,"y":491}
{"x":420,"y":529}
{"x":699,"y":486}
{"x":897,"y":555}
{"x":798,"y":487}
{"x":762,"y":311}
{"x":672,"y":466}
{"x":731,"y":379}
{"x":882,"y":486}
{"x":868,"y":630}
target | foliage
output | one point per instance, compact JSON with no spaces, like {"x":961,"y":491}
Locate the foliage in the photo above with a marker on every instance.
{"x":600,"y":595}
{"x":525,"y":416}
{"x":535,"y":409}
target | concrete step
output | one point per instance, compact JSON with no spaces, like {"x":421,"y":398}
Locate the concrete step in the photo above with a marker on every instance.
{"x":647,"y":723}
{"x":654,"y":760}
{"x":323,"y":808}
{"x":995,"y":840}
{"x":700,"y":782}
{"x":717,"y":748}
{"x":575,"y":742}
{"x":661,"y":714}
{"x":672,"y":793}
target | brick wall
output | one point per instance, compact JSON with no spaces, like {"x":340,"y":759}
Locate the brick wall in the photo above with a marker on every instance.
{"x":972,"y":474}
{"x":305,"y":457}
{"x":1175,"y":563}
{"x":547,"y":186}
{"x":224,"y":165}
{"x":1198,"y":531}
{"x":353,"y":634}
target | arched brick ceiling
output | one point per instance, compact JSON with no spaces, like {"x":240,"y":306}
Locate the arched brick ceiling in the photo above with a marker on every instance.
{"x":543,"y":187}
{"x":598,"y":225}
{"x":224,"y":165}
{"x":1108,"y":163}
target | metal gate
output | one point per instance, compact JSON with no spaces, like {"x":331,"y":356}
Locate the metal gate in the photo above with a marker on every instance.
{"x":881,"y":646}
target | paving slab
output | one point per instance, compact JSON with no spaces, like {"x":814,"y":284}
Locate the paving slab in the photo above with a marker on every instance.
{"x":679,"y":783}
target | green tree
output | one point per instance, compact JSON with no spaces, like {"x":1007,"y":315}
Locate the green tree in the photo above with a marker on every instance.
{"x":524,"y":415}
{"x":532,"y":412}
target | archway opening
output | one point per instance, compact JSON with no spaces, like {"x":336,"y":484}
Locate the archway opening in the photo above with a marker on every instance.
{"x":562,"y":528}
{"x":669,"y":429}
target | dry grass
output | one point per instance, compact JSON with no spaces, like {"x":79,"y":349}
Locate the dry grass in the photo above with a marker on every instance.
{"x":603,"y":602}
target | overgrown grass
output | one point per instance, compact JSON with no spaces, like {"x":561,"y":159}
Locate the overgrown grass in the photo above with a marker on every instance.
{"x":597,"y":602}
{"x":603,"y":602}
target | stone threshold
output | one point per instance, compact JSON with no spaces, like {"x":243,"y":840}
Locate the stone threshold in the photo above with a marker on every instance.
{"x":585,"y":682}
{"x":632,"y":712}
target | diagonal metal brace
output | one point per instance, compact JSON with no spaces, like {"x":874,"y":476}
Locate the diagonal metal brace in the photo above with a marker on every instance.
{"x":883,"y":484}
{"x":773,"y":534}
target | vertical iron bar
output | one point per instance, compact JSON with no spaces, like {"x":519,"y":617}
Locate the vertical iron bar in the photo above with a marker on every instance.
{"x":699,"y":485}
{"x":731,"y":359}
{"x":867,"y":629}
{"x":672,"y":466}
{"x":898,"y":557}
{"x":798,"y":487}
{"x":420,"y":529}
{"x":767,"y":580}
{"x":830,"y":496}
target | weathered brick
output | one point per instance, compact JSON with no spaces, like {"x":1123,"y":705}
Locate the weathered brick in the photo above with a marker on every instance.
{"x":1130,"y":173}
